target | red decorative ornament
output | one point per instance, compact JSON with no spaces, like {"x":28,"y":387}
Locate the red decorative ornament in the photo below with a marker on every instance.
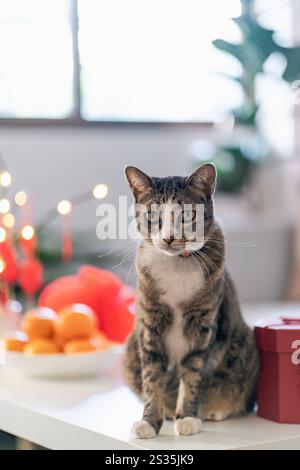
{"x":127,"y":295}
{"x":118,"y":320}
{"x":99,"y":287}
{"x":29,"y":246}
{"x":103,"y":291}
{"x":10,"y":271}
{"x":67,"y":247}
{"x":64,"y":208}
{"x":3,"y":293}
{"x":67,"y":242}
{"x":31,"y":275}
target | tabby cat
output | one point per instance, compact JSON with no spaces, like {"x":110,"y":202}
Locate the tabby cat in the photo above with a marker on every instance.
{"x":190,"y":356}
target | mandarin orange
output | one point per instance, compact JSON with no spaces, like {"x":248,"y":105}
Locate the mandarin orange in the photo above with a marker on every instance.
{"x":41,"y":346}
{"x":16,"y":342}
{"x":59,"y":341}
{"x":39,"y":323}
{"x":79,"y":346}
{"x":101,"y":341}
{"x":75,"y":321}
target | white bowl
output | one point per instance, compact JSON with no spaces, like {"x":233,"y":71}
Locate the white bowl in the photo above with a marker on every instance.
{"x":61,"y":366}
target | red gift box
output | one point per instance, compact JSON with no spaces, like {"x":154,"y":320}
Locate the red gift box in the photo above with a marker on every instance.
{"x":278,"y":340}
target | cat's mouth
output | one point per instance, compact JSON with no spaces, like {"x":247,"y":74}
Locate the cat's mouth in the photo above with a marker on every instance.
{"x":172,"y":251}
{"x":184,"y":249}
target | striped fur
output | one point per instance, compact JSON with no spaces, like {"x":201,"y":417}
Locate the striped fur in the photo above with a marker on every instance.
{"x":190,"y":354}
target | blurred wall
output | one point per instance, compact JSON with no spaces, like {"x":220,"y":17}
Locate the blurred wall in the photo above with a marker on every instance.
{"x":54,"y":163}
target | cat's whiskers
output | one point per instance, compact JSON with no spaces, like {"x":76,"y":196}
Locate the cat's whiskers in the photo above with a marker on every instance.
{"x":196,"y":255}
{"x":232,"y":243}
{"x":130,"y":269}
{"x":214,"y":250}
{"x":127,"y":254}
{"x":115,"y":250}
{"x":216,"y":269}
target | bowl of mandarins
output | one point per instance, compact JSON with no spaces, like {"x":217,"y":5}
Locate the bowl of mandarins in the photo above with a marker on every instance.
{"x":63,"y":344}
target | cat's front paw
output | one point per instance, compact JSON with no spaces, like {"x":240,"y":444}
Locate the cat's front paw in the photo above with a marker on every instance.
{"x":143,"y":430}
{"x":188,"y":426}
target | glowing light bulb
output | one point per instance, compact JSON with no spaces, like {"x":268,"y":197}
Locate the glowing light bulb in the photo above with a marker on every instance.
{"x":8,"y":220}
{"x":27,"y":232}
{"x":21,"y":198}
{"x":4,"y":206}
{"x":64,"y":207}
{"x":5,"y":179}
{"x":2,"y":265}
{"x":100,"y":191}
{"x":2,"y":235}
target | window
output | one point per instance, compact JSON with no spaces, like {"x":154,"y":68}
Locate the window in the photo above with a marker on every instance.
{"x":117,"y":60}
{"x":36,"y":59}
{"x":152,"y":60}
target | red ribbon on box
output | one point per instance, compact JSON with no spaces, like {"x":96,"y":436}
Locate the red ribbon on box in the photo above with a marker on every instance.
{"x":290,"y":320}
{"x":286,"y":321}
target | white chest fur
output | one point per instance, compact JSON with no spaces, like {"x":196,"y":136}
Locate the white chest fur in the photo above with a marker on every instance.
{"x":178,"y":279}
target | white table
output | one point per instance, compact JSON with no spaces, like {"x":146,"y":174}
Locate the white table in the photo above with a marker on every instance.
{"x":98,"y":414}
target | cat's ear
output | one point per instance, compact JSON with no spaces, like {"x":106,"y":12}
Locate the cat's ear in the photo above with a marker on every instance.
{"x":204,"y":179}
{"x":139,"y":183}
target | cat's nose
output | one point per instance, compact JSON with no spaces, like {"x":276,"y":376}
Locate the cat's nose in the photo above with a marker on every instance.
{"x":169,"y":240}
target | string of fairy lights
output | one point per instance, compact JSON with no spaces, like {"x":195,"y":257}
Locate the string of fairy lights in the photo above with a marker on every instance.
{"x":20,"y":202}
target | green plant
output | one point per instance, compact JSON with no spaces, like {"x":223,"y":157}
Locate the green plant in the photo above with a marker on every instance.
{"x":257,"y":45}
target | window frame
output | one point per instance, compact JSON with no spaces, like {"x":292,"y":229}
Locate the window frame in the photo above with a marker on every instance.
{"x":75,"y":119}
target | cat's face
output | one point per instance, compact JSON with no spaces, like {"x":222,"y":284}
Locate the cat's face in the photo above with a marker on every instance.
{"x":174,"y":214}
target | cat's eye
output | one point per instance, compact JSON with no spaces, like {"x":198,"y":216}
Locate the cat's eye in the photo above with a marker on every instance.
{"x":188,"y":216}
{"x":152,"y":217}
